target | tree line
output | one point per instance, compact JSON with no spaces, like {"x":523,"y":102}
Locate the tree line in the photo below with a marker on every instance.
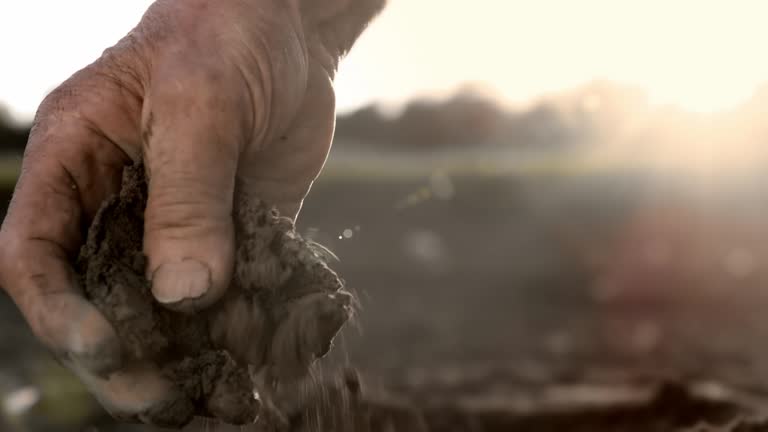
{"x":599,"y":113}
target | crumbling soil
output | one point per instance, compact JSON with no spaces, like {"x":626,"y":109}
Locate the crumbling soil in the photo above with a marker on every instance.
{"x":280,"y":314}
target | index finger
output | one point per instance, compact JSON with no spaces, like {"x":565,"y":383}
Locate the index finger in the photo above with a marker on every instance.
{"x":69,"y":168}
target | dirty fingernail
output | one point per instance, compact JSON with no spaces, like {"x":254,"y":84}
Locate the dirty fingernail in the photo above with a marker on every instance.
{"x":178,"y":281}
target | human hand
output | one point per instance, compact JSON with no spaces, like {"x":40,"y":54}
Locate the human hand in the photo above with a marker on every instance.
{"x":209,"y":95}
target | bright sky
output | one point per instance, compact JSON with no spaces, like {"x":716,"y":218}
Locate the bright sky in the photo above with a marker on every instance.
{"x":704,"y":56}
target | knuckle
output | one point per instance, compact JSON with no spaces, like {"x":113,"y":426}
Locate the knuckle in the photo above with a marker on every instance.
{"x":69,"y":96}
{"x":125,"y":63}
{"x":179,"y":191}
{"x":197,"y":87}
{"x":184,"y":209}
{"x":55,"y":106}
{"x":59,"y":117}
{"x":115,"y":78}
{"x":197,"y":71}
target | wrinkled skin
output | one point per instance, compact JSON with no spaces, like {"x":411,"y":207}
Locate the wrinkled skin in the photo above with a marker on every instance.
{"x":213,"y":96}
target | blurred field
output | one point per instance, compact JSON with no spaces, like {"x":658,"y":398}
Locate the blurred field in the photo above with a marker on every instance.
{"x":10,"y":166}
{"x":537,"y":268}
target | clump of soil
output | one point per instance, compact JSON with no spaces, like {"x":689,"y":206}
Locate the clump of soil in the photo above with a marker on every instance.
{"x":280,"y":314}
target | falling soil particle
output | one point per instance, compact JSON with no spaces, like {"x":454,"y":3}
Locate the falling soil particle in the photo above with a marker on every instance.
{"x":280,"y":314}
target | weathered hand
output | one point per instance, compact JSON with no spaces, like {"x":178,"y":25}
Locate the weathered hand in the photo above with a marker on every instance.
{"x":210,"y":94}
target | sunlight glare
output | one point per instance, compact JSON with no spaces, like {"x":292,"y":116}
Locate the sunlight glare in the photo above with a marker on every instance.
{"x":702,"y":56}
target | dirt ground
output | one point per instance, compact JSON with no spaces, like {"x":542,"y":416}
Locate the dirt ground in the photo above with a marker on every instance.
{"x":594,"y":303}
{"x":480,"y":406}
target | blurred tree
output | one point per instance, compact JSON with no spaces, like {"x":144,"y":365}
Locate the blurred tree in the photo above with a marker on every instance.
{"x":13,"y":137}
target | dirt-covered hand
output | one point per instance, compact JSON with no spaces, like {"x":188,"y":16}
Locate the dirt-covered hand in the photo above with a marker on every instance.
{"x":212,"y":96}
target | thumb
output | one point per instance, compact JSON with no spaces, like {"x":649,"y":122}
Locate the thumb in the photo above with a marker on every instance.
{"x":191,"y":147}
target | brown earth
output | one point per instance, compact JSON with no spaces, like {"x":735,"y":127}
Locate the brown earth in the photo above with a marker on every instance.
{"x":506,"y":306}
{"x":280,"y":314}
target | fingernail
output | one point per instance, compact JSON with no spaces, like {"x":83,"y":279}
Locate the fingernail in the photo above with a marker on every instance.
{"x":178,"y":281}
